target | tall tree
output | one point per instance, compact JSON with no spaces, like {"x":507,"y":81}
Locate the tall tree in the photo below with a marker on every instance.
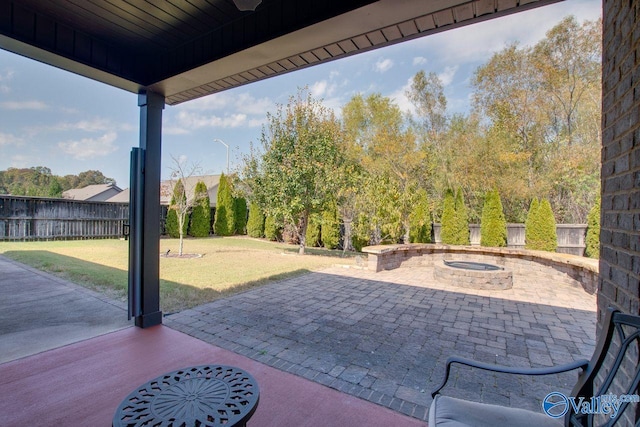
{"x":297,"y":172}
{"x":388,"y":152}
{"x":542,"y":106}
{"x":180,"y":202}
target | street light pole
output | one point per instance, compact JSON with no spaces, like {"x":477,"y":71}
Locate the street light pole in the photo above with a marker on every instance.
{"x":223,"y":143}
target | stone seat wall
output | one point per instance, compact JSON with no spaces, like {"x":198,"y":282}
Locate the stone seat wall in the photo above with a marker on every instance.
{"x":570,"y":269}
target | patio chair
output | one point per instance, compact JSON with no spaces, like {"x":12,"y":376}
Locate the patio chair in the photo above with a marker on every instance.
{"x":616,"y":351}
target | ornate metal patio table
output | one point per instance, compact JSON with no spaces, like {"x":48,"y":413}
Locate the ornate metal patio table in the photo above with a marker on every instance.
{"x":208,"y":395}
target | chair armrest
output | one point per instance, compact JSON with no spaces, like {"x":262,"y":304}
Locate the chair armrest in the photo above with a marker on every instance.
{"x":509,"y":370}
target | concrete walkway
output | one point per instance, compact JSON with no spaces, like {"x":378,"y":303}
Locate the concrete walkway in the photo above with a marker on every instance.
{"x":385,"y":336}
{"x":39,"y":312}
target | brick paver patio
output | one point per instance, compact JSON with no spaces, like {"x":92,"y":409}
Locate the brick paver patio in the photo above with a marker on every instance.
{"x":385,"y":336}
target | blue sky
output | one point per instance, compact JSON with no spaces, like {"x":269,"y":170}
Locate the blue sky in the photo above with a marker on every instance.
{"x":53,"y":118}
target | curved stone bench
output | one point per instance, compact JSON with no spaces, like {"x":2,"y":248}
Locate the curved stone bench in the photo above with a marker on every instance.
{"x":571,"y":269}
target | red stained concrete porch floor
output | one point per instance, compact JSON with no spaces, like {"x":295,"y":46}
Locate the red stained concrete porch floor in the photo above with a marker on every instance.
{"x":82,"y":384}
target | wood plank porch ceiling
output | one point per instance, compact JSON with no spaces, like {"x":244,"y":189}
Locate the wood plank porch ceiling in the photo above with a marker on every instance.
{"x":185,"y":49}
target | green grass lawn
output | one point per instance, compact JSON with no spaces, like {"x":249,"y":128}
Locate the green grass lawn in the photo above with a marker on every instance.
{"x":227,"y":265}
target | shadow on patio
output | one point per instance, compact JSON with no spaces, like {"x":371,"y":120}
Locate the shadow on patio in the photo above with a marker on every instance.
{"x":377,"y":340}
{"x":385,"y":336}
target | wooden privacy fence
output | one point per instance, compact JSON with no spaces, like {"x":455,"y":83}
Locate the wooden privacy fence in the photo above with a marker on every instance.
{"x":571,"y":237}
{"x":37,"y":218}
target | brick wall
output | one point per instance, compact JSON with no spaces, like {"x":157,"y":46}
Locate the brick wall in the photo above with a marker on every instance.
{"x":620,"y":219}
{"x":620,"y":227}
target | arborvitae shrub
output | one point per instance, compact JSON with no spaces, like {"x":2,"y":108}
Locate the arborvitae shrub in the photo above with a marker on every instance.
{"x":530,"y":225}
{"x":447,"y":232}
{"x":312,"y":236}
{"x":272,"y":229}
{"x":540,"y":227}
{"x":461,"y":221}
{"x":593,"y":231}
{"x":330,"y":227}
{"x":420,"y":220}
{"x":493,"y":225}
{"x":255,"y":223}
{"x":224,"y":224}
{"x":548,"y":233}
{"x":201,"y":214}
{"x":171,"y":224}
{"x":240,"y":215}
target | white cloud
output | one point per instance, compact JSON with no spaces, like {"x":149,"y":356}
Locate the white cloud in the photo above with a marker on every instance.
{"x":478,"y":42}
{"x":446,"y":77}
{"x":318,"y":88}
{"x":95,"y":125}
{"x":323,"y":89}
{"x":174,"y":130}
{"x":9,"y":139}
{"x":383,"y":65}
{"x":23,"y":105}
{"x":419,"y":60}
{"x":243,"y":102}
{"x":191,"y":120}
{"x":241,"y":109}
{"x":88,"y":148}
{"x":400,"y":97}
{"x":4,"y":78}
{"x":21,"y":161}
{"x":247,"y":104}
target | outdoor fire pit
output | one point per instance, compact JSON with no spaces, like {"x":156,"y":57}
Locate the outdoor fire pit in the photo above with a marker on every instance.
{"x":474,"y":275}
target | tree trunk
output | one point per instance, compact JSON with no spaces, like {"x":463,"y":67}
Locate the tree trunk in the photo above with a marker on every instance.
{"x":347,"y":244}
{"x":181,"y":244}
{"x":406,"y":238}
{"x":302,"y":231}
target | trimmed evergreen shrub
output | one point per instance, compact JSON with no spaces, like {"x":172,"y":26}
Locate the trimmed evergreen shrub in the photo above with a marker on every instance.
{"x":541,"y":229}
{"x":420,"y":220}
{"x":548,"y":233}
{"x":448,"y":230}
{"x":330,"y":227}
{"x":224,"y":224}
{"x":493,"y":225}
{"x":201,"y":213}
{"x":255,"y":223}
{"x":461,"y":221}
{"x":593,"y":231}
{"x":171,"y":224}
{"x":312,"y":236}
{"x":272,"y":229}
{"x":240,"y":211}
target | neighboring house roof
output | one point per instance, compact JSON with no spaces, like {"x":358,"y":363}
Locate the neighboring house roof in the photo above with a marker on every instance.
{"x":93,"y":193}
{"x":211,"y":181}
{"x":121,"y":197}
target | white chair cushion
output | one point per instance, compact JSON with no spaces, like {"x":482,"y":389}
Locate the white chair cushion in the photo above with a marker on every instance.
{"x":451,"y":412}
